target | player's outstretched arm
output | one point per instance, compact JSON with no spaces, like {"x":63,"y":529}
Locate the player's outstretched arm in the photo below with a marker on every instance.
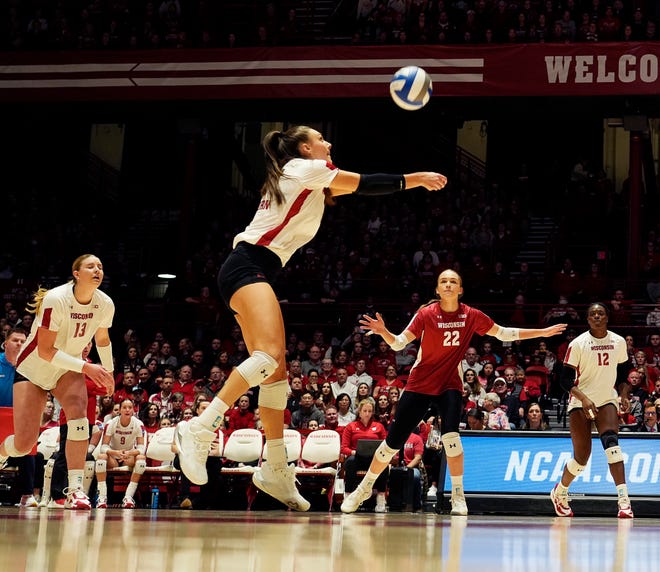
{"x":512,"y":334}
{"x":377,"y":326}
{"x":346,"y":182}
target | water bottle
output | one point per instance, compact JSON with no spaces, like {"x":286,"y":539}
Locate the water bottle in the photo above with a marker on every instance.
{"x":155,"y":492}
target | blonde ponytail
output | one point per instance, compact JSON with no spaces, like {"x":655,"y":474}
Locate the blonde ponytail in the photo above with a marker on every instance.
{"x":34,"y":306}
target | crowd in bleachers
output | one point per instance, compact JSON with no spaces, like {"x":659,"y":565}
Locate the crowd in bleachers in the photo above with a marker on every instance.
{"x":502,"y":21}
{"x":120,"y":24}
{"x":506,"y":386}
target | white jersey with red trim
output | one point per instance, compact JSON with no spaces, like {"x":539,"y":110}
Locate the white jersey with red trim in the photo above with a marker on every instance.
{"x":75,"y":324}
{"x":124,"y":438}
{"x":595,"y":361}
{"x":285,"y":228}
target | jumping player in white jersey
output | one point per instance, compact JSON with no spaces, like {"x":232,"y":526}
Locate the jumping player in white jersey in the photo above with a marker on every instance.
{"x":123,"y":445}
{"x":594,"y":366}
{"x":445,"y":327}
{"x":299,"y":174}
{"x":67,"y":318}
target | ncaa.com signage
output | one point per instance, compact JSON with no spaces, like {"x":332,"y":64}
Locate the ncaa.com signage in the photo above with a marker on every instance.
{"x":515,"y":462}
{"x":586,"y":69}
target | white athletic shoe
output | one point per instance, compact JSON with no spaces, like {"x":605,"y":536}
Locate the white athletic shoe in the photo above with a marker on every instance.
{"x":625,"y":511}
{"x":43,"y":503}
{"x":28,"y":501}
{"x":353,"y":501}
{"x":128,"y":502}
{"x":102,"y":501}
{"x":194,"y":444}
{"x":560,"y":502}
{"x":280,"y":483}
{"x":381,"y":506}
{"x":458,"y":506}
{"x":77,"y":500}
{"x":432,"y":493}
{"x":56,"y":504}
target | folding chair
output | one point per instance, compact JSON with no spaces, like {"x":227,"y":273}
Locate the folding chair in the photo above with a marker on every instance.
{"x":292,"y":444}
{"x":160,"y":470}
{"x":49,"y":442}
{"x":321,"y":449}
{"x":159,"y":446}
{"x":242,"y":454}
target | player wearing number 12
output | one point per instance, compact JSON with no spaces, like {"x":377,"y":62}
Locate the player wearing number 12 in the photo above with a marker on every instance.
{"x":595,"y":361}
{"x":445,"y":327}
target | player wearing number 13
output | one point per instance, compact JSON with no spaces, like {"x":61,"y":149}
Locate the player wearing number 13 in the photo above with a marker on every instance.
{"x":445,"y":327}
{"x":595,"y":362}
{"x":67,"y":317}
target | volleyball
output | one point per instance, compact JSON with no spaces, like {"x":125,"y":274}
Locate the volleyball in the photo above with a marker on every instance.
{"x":411,"y":88}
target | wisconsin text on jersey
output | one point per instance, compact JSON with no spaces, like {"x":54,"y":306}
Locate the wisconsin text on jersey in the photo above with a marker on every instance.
{"x":601,"y":348}
{"x":451,"y":324}
{"x":79,"y":316}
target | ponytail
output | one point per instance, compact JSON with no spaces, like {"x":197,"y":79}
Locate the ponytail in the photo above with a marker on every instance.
{"x":279,"y":148}
{"x":38,"y":298}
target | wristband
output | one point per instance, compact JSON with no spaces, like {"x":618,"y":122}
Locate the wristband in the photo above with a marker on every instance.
{"x":66,"y":361}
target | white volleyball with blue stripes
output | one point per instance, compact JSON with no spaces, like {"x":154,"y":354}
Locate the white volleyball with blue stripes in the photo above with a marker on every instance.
{"x":411,"y":88}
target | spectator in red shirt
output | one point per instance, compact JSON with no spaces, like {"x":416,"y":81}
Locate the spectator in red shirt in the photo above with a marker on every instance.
{"x":536,"y":381}
{"x":332,"y":420}
{"x":364,"y":427}
{"x":390,"y":379}
{"x":652,"y":351}
{"x":185,"y":384}
{"x":327,"y":371}
{"x":383,"y":358}
{"x":240,"y":417}
{"x":129,"y":381}
{"x":413,"y":451}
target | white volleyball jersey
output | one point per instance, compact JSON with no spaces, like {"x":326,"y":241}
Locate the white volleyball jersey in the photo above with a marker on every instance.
{"x":285,"y":228}
{"x":595,"y":361}
{"x":124,"y":438}
{"x":75,"y":324}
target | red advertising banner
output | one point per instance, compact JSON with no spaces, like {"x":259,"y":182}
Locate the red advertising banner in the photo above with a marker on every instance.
{"x":589,"y":69}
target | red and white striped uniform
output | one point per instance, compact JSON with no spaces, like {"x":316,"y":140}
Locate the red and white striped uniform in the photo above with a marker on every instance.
{"x":124,"y":438}
{"x":287,"y":227}
{"x":75,"y":324}
{"x":444,"y":337}
{"x":596,"y":361}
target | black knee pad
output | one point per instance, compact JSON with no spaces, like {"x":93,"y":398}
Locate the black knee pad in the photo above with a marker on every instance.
{"x":609,"y":439}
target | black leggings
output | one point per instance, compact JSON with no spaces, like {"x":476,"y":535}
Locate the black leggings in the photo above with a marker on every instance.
{"x":411,"y":409}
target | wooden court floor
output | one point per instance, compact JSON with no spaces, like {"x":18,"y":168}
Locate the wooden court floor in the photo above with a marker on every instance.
{"x":281,"y":541}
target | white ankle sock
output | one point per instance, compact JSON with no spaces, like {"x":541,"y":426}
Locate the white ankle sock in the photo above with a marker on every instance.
{"x":276,"y":453}
{"x":76,"y":479}
{"x":368,"y":480}
{"x":457,"y":486}
{"x":211,"y":418}
{"x":130,"y":489}
{"x":622,"y":494}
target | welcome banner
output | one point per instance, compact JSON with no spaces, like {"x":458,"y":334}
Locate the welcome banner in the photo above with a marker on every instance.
{"x":592,"y":69}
